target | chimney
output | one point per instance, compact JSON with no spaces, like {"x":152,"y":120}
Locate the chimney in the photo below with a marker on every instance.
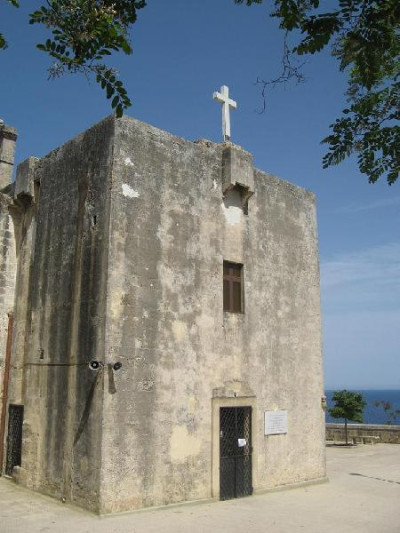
{"x":8,"y":136}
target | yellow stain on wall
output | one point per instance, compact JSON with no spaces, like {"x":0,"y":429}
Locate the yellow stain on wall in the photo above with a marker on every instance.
{"x":183,"y":445}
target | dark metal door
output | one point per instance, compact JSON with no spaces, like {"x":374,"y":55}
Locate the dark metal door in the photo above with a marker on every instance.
{"x":235,"y":452}
{"x":14,"y":439}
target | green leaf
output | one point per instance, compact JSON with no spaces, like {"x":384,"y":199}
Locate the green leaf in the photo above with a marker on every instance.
{"x":110,"y":90}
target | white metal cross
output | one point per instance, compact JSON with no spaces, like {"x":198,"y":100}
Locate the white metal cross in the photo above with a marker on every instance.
{"x":227,"y":103}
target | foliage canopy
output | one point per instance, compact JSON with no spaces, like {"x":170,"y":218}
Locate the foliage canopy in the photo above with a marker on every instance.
{"x":363,"y":35}
{"x":84,"y":33}
{"x":348,"y":405}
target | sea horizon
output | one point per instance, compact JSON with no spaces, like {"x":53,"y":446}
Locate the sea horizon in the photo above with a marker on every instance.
{"x":356,"y":389}
{"x":372,"y":414}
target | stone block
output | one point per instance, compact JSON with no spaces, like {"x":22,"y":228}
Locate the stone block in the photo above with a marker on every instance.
{"x":237,"y":168}
{"x":24,"y":184}
{"x":8,"y":136}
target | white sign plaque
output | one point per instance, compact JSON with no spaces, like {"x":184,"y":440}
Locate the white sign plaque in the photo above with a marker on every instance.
{"x":275,"y":422}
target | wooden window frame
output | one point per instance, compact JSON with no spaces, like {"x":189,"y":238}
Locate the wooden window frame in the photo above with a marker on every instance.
{"x":229,"y":280}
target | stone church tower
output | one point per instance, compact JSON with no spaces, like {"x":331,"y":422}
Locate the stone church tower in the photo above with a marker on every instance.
{"x":160,"y":322}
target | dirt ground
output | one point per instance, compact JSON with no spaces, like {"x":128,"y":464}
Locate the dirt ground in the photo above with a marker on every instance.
{"x":363,"y":495}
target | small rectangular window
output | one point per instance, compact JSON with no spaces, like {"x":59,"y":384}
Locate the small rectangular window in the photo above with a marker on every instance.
{"x":233,"y":287}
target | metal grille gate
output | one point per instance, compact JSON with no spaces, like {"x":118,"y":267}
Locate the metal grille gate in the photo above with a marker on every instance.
{"x":235,"y":452}
{"x":14,"y":439}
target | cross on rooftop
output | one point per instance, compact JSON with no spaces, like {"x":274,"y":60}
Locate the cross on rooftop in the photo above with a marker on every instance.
{"x":227,"y":103}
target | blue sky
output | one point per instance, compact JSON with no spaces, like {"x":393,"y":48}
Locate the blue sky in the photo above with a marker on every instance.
{"x":183,"y":51}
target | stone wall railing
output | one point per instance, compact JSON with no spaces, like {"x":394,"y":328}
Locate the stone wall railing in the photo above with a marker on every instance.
{"x":386,"y":433}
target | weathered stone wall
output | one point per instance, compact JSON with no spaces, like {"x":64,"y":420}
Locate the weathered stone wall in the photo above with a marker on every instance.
{"x":170,"y":231}
{"x":386,"y":433}
{"x":8,"y":260}
{"x":8,"y":267}
{"x":23,"y":209}
{"x":287,"y":329}
{"x":8,"y":136}
{"x":60,"y":321}
{"x":121,"y":236}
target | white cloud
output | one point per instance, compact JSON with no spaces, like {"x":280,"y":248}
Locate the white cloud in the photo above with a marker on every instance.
{"x":362,"y":350}
{"x":376,"y":204}
{"x":368,"y":277}
{"x":361,"y":314}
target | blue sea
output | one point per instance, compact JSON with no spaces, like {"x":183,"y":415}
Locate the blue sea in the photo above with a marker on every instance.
{"x":372,"y":414}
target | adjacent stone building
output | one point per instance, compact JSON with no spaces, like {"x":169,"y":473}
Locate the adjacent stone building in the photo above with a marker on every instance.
{"x":161,"y":299}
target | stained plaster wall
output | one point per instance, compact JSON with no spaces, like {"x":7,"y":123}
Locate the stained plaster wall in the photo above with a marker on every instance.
{"x":8,"y":267}
{"x":8,"y":136}
{"x":170,"y":231}
{"x":60,"y":317}
{"x":120,"y":260}
{"x":23,"y":208}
